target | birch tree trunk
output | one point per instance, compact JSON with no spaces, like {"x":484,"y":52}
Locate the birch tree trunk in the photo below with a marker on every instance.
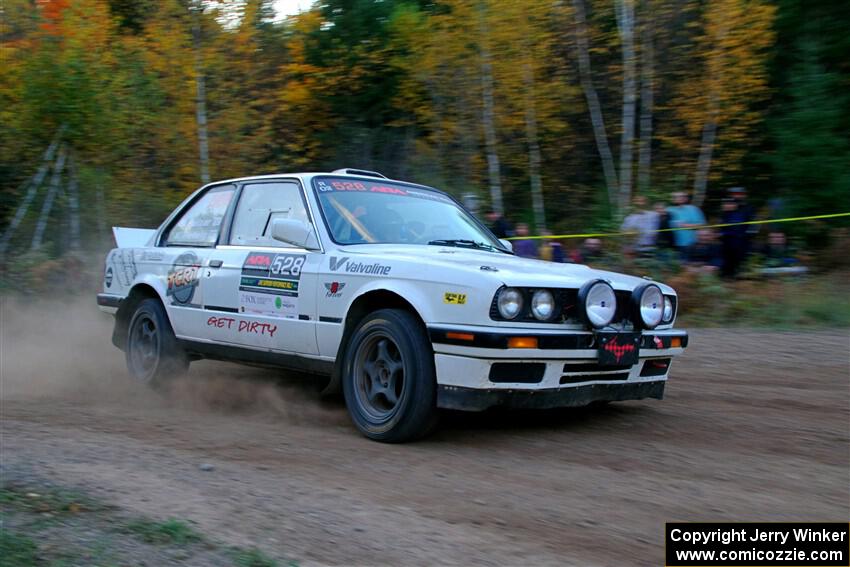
{"x":625,"y":23}
{"x":201,"y":96}
{"x":32,"y":189}
{"x":533,"y":150}
{"x":596,"y":118}
{"x":709,"y":129}
{"x":73,"y":207}
{"x":488,"y":114}
{"x":44,"y":216}
{"x":101,"y":211}
{"x":467,"y":113}
{"x":706,"y":148}
{"x":437,"y":126}
{"x":647,"y":101}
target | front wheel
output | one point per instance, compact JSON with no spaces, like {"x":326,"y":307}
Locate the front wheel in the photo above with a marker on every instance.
{"x":153,"y":354}
{"x":389,"y":379}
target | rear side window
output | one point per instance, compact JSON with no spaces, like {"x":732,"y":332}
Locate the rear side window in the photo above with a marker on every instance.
{"x":200,"y":224}
{"x":259,"y":205}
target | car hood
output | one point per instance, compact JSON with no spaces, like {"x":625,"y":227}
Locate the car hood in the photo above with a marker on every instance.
{"x":511,"y":270}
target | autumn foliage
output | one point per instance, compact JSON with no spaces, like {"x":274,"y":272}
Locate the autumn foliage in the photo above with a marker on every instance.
{"x":489,"y":99}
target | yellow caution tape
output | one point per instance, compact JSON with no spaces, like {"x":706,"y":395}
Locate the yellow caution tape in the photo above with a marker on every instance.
{"x":721,"y":225}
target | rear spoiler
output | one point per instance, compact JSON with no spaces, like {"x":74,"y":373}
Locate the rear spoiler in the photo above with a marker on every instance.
{"x":132,"y":237}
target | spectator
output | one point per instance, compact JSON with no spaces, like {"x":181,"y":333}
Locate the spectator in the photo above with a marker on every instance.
{"x":591,"y":249}
{"x":735,"y":240}
{"x":523,"y":246}
{"x":705,"y":255}
{"x":551,"y":250}
{"x":777,"y":253}
{"x":499,"y":225}
{"x":748,"y":213}
{"x":684,"y":215}
{"x":664,"y":238}
{"x":645,"y":223}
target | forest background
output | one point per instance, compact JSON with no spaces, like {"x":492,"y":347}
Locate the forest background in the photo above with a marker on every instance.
{"x":555,"y":112}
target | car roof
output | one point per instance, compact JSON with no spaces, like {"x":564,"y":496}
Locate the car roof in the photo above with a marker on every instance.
{"x":307,"y":175}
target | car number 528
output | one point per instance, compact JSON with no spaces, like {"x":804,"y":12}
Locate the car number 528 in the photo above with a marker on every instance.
{"x":287,"y":265}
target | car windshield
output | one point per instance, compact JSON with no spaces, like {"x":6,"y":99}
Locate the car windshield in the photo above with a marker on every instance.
{"x":380,"y":212}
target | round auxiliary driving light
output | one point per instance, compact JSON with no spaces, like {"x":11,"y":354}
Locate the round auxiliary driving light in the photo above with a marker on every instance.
{"x":509,"y":303}
{"x":598,"y":302}
{"x":647,"y":306}
{"x":668,"y":310}
{"x":542,"y":305}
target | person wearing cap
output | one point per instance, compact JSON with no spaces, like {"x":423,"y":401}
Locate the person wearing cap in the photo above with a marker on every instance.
{"x":735,"y":240}
{"x":684,"y":215}
{"x":524,"y":246}
{"x":551,"y":250}
{"x":644,"y":223}
{"x":499,"y":225}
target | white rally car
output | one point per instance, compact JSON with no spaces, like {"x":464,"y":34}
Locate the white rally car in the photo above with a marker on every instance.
{"x":391,"y":290}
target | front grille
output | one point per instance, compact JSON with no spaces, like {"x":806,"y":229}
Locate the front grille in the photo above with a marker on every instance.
{"x":567,"y":299}
{"x":576,"y":378}
{"x":592,"y":367}
{"x":624,"y":299}
{"x":655,"y":367}
{"x":591,"y":371}
{"x":519,"y":372}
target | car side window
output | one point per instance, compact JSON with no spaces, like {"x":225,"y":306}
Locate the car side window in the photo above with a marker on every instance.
{"x":259,"y":205}
{"x":199,"y":225}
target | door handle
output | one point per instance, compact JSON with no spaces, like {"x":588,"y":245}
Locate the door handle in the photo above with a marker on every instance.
{"x":216,"y":263}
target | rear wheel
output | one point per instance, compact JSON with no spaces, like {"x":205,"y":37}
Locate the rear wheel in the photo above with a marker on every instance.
{"x":389,"y":379}
{"x":153,"y":353}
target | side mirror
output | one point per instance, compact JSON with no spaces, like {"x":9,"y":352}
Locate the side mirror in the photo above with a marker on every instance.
{"x":507,"y":244}
{"x":295,"y":232}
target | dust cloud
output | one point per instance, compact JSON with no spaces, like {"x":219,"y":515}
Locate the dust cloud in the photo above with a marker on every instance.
{"x":63,"y":350}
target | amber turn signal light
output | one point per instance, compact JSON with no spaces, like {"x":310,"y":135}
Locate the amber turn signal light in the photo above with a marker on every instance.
{"x":461,"y":336}
{"x":522,"y":342}
{"x":675,"y":342}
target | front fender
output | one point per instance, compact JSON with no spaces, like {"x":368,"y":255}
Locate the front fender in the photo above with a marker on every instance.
{"x":412,"y":292}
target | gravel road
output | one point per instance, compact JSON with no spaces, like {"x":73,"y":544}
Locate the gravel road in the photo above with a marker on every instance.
{"x":755,"y":426}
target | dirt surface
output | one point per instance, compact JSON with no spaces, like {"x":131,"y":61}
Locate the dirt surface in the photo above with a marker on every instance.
{"x":755,"y":426}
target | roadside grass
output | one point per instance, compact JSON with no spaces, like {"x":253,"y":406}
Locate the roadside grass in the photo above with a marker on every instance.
{"x":253,"y":558}
{"x":16,"y":549}
{"x":54,"y":502}
{"x":171,"y":531}
{"x":805,"y":302}
{"x":50,"y":526}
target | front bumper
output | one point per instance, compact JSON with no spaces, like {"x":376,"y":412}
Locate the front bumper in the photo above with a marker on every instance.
{"x":477,"y":370}
{"x":471,"y":399}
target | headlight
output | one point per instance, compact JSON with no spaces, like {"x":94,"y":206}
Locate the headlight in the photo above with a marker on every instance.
{"x":599,"y":302}
{"x":510,"y":302}
{"x":668,"y":309}
{"x":648,"y":304}
{"x":542,"y":304}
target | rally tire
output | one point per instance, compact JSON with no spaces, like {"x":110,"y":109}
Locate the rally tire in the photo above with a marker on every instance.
{"x":152,"y":352}
{"x":389,"y":379}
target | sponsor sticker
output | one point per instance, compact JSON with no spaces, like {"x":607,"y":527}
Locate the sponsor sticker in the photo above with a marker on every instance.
{"x":329,"y":185}
{"x":244,"y":327}
{"x":183,"y":277}
{"x":344,"y":264}
{"x":148,"y":256}
{"x":454,"y":298}
{"x":276,"y":274}
{"x":334,"y":289}
{"x":124,"y":260}
{"x":268,"y":305}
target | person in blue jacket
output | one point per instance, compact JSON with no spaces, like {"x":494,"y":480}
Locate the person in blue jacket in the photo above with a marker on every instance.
{"x":683,"y":215}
